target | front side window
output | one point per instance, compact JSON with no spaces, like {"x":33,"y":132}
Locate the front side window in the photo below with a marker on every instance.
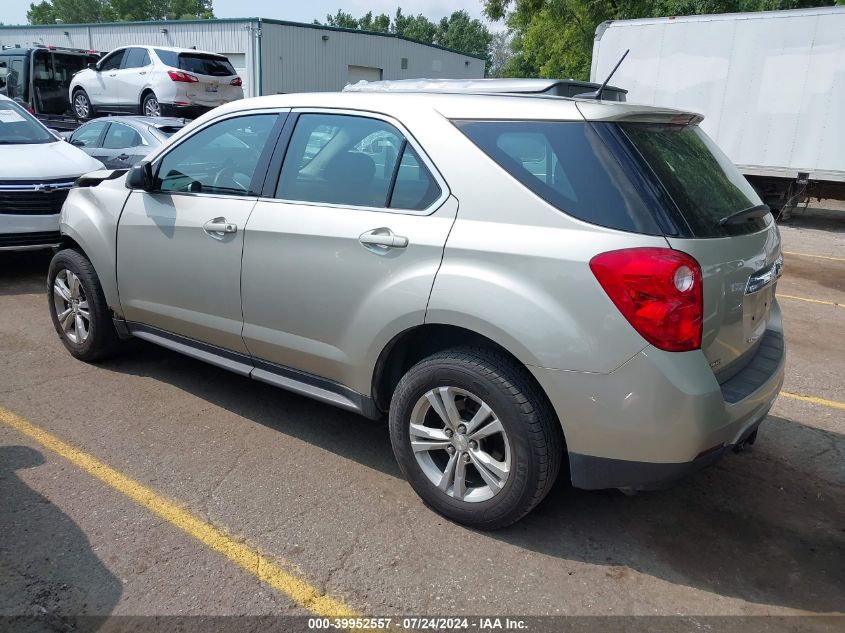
{"x":113,"y":61}
{"x":568,"y":165}
{"x":121,"y":136}
{"x":88,"y":135}
{"x":136,"y":58}
{"x":353,"y":161}
{"x":220,"y":159}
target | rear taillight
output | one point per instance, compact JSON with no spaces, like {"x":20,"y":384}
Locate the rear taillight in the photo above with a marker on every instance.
{"x":237,"y":82}
{"x":178,"y":75}
{"x":658,"y":290}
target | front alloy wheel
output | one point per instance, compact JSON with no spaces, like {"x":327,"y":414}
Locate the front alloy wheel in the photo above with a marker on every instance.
{"x":71,"y":306}
{"x":81,"y":106}
{"x":460,"y":444}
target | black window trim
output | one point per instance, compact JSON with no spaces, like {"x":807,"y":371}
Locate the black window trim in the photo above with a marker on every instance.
{"x":260,"y":174}
{"x":268,"y":192}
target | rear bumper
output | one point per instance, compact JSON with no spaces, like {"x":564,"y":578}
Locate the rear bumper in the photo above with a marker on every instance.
{"x":661,"y":415}
{"x":190,"y":111}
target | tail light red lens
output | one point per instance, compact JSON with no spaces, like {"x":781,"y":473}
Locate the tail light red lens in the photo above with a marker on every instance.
{"x":659,"y":292}
{"x":178,"y":75}
{"x":237,"y":82}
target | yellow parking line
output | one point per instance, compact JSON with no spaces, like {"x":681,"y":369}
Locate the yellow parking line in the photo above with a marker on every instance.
{"x":295,"y":588}
{"x":827,"y":303}
{"x":812,"y":399}
{"x":836,"y":259}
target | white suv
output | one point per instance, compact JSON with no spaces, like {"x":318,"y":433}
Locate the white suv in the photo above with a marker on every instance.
{"x":155,"y":81}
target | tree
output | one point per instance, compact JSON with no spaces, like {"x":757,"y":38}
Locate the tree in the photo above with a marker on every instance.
{"x":80,"y":11}
{"x":457,"y":31}
{"x":501,"y":53}
{"x":554,"y":38}
{"x":415,"y":27}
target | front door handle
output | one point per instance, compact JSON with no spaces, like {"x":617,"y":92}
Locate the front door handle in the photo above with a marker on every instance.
{"x":382,"y":239}
{"x":122,"y":157}
{"x":219,"y":227}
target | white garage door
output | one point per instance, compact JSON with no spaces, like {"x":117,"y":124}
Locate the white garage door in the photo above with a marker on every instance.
{"x":365,"y":73}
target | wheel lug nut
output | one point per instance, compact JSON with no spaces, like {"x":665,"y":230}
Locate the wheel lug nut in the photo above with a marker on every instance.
{"x":462,"y":429}
{"x":449,"y":432}
{"x":473,"y":444}
{"x":450,"y":449}
{"x":467,"y":458}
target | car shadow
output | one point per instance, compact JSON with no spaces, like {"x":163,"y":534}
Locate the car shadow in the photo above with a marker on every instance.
{"x":25,"y":272}
{"x":51,"y":578}
{"x":767,"y":526}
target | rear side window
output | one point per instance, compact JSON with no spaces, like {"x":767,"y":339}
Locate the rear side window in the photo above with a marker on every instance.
{"x":136,"y":58}
{"x":354,"y":161}
{"x":566,"y":164}
{"x":120,"y":136}
{"x":703,"y":183}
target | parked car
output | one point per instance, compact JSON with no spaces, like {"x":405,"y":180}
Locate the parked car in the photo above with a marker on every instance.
{"x":155,"y":81}
{"x":37,"y":169}
{"x":120,"y":142}
{"x":519,"y":282}
{"x":38,"y":78}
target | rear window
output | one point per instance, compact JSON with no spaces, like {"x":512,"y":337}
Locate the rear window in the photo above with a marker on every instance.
{"x":199,"y":63}
{"x":568,"y":165}
{"x":703,"y":183}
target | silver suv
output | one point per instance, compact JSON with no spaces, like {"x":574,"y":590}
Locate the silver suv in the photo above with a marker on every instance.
{"x":520,"y":282}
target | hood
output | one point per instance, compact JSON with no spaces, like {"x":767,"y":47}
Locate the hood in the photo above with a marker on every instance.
{"x":44,"y":161}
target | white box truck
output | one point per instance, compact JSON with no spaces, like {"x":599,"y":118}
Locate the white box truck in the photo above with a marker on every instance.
{"x":771,"y":87}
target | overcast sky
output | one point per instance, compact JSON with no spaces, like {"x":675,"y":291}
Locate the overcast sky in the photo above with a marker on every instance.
{"x":14,"y":11}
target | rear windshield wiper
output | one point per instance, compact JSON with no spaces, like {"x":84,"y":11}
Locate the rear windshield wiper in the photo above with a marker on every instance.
{"x":757,"y":211}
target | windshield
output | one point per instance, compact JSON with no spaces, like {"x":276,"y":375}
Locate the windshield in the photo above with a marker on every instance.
{"x":701,"y":180}
{"x":18,"y":127}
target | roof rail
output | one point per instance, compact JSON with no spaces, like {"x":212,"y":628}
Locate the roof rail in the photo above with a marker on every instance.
{"x":550,"y":87}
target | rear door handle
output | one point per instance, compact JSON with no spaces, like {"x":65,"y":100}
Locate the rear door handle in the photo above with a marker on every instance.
{"x":219,"y":227}
{"x":382,"y":239}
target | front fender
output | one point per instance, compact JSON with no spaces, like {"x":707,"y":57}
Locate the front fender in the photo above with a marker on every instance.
{"x":89,"y":217}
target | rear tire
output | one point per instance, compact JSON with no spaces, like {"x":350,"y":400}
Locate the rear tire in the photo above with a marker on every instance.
{"x":82,"y":108}
{"x":520,"y":439}
{"x":150,"y":105}
{"x":78,"y":307}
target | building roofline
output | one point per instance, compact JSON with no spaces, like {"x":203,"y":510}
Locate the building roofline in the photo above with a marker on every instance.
{"x":322,"y":27}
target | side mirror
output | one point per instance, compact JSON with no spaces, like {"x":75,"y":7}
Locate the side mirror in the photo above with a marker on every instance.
{"x":75,"y":142}
{"x":92,"y":66}
{"x":140,"y":177}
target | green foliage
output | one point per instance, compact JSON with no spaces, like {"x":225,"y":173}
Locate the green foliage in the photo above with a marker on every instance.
{"x":554,"y":38}
{"x":457,"y":31}
{"x":81,"y":11}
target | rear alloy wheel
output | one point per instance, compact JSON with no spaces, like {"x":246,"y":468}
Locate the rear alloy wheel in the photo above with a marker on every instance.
{"x":78,"y":307}
{"x":475,"y":437}
{"x":151,"y":106}
{"x":82,"y":105}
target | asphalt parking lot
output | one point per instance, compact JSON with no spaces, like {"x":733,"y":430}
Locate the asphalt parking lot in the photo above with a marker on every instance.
{"x":313,"y":493}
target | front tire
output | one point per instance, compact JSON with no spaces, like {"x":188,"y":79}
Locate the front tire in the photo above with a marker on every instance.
{"x":78,"y":307}
{"x":475,"y":437}
{"x":150,"y":106}
{"x":82,"y":108}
